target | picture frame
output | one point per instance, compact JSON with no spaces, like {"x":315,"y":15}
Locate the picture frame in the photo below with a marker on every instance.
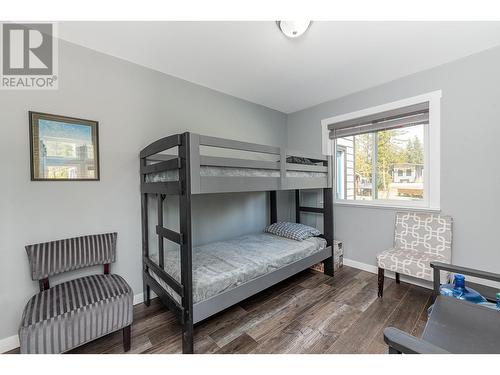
{"x":63,"y":148}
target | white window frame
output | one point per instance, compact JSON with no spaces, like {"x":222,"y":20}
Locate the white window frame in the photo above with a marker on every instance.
{"x":432,"y":153}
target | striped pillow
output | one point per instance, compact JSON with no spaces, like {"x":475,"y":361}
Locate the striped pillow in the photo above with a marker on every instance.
{"x":294,"y":231}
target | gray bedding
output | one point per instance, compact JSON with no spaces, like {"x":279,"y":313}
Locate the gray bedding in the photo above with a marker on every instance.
{"x":209,"y":171}
{"x":221,"y":266}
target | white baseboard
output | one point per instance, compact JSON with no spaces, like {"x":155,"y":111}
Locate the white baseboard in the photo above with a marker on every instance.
{"x":139,"y":297}
{"x":9,"y":343}
{"x":360,"y":266}
{"x":374,"y":269}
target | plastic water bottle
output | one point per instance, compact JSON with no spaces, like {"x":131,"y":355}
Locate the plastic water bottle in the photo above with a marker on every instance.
{"x":459,"y":291}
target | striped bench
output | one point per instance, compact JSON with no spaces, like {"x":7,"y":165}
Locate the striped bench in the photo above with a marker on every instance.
{"x":67,"y":315}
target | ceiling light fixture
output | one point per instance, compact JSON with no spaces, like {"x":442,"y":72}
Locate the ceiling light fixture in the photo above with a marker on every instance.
{"x":293,"y":29}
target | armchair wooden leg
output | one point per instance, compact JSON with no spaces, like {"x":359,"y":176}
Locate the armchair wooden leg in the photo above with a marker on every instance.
{"x":397,"y":278}
{"x":126,"y":338}
{"x":380,"y":282}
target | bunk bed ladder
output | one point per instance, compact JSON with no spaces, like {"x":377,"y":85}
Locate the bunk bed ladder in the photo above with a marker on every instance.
{"x":182,"y":188}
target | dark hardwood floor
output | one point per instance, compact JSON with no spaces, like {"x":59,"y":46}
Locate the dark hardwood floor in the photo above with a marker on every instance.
{"x":309,"y":313}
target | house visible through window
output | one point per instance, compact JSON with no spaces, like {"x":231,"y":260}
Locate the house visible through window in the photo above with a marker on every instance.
{"x":382,"y":158}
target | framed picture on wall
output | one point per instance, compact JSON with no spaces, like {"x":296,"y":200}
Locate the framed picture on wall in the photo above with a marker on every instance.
{"x":63,"y":148}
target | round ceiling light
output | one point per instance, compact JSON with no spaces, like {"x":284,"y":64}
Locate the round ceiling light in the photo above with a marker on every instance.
{"x":293,"y":29}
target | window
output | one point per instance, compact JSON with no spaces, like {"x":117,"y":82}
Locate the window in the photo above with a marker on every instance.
{"x":377,"y":155}
{"x":388,"y":157}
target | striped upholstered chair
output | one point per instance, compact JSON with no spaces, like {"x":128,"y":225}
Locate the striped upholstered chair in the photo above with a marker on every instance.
{"x":67,"y":315}
{"x":419,"y":239}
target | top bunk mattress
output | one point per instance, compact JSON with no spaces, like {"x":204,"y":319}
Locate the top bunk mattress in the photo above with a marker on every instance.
{"x":221,"y":266}
{"x":213,"y":171}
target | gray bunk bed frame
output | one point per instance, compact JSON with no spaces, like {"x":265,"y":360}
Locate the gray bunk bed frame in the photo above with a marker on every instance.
{"x":188,"y":162}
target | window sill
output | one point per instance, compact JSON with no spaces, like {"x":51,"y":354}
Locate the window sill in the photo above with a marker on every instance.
{"x":387,"y":206}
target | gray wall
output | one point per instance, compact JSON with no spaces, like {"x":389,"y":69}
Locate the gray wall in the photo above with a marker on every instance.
{"x":470,"y":168}
{"x":134,"y":107}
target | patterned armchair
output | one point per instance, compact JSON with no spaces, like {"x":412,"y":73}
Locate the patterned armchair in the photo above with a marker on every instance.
{"x":419,"y":239}
{"x":67,"y":315}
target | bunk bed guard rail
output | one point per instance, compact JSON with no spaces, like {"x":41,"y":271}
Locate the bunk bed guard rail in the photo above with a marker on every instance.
{"x":218,"y":174}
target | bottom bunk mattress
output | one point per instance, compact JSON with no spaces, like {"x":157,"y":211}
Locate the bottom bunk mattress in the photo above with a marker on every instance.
{"x":221,"y":266}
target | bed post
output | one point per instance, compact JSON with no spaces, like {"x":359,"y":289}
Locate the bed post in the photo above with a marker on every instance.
{"x":297,"y":206}
{"x":186,"y":243}
{"x":145,"y":240}
{"x":328,"y":227}
{"x":274,"y":207}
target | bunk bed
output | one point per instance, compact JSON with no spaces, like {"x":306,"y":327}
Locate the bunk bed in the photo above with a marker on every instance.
{"x":193,"y":282}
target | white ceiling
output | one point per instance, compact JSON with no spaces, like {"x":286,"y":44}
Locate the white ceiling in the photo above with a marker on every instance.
{"x":254,"y":61}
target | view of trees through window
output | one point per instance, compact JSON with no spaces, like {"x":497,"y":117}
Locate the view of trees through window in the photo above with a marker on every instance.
{"x":385,"y":165}
{"x":363,"y":161}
